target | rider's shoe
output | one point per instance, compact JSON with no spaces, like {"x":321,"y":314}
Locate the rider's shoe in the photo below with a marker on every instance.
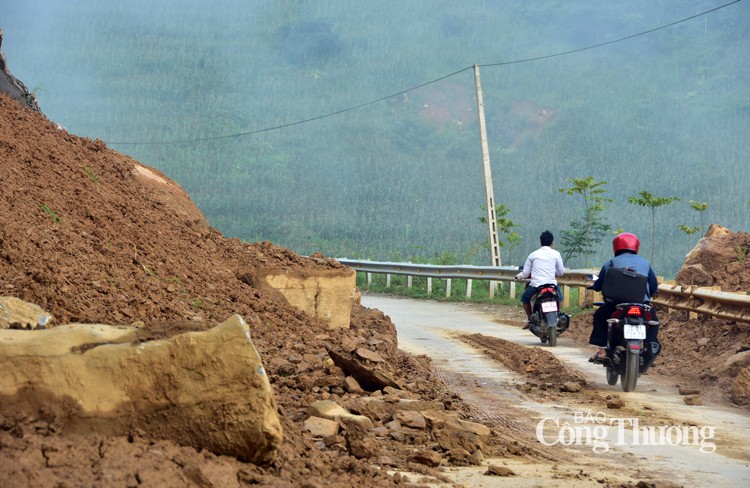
{"x":600,"y":357}
{"x":527,"y":326}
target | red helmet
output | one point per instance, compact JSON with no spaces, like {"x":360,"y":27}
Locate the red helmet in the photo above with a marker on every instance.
{"x":626,"y":242}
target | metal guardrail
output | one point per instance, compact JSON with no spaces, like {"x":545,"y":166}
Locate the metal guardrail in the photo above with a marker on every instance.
{"x":720,"y":304}
{"x":716,"y":303}
{"x":573,"y":277}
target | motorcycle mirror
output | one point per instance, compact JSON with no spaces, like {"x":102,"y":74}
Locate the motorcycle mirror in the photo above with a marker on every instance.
{"x":592,"y":277}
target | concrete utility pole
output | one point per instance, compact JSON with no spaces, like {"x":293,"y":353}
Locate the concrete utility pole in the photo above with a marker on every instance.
{"x":491,"y":216}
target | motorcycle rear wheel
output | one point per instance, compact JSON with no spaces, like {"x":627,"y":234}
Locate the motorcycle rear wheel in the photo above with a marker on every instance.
{"x":552,"y":328}
{"x":632,"y":365}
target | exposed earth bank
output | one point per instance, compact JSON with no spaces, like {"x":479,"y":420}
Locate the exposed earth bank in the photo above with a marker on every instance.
{"x":92,"y":236}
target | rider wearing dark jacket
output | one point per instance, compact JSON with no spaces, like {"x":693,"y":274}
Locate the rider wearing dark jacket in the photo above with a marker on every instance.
{"x":625,"y":247}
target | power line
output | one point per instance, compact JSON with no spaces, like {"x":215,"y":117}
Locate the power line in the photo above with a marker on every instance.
{"x":402,"y":92}
{"x":290,"y":124}
{"x":613,"y":41}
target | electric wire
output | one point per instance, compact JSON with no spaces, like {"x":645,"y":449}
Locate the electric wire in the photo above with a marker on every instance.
{"x":594,"y":46}
{"x":290,"y":124}
{"x":402,"y":92}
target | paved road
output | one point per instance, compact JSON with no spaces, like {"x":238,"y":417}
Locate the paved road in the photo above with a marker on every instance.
{"x":428,"y":327}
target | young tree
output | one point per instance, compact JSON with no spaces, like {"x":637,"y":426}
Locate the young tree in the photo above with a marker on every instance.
{"x":514,"y":240}
{"x":646,"y":199}
{"x":700,"y":207}
{"x":505,"y":227}
{"x":588,"y":230}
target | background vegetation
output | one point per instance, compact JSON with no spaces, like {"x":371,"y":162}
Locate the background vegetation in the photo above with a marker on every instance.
{"x":666,"y":113}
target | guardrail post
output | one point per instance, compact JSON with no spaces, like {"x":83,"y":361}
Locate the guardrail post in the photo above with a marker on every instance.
{"x":408,"y":281}
{"x":388,"y":280}
{"x":566,"y":297}
{"x":468,"y":288}
{"x":369,"y":280}
{"x":448,"y":287}
{"x":493,"y":284}
{"x":429,"y":286}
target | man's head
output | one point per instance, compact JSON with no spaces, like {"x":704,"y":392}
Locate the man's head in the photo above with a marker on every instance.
{"x":546,"y":238}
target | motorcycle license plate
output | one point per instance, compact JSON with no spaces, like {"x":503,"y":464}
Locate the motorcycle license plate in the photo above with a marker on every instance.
{"x":549,"y":307}
{"x":634,"y":331}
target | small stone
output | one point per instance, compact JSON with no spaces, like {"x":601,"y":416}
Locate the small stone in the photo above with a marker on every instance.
{"x":692,"y":400}
{"x":493,"y":470}
{"x":571,"y":387}
{"x":686,"y":390}
{"x":427,"y":458}
{"x":369,"y":355}
{"x":615,"y":402}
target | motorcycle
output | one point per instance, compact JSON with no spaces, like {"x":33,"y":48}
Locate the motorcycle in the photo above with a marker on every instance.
{"x":629,"y":355}
{"x":546,"y":321}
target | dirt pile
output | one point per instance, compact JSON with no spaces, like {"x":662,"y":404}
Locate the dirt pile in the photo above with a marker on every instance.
{"x":703,"y":352}
{"x":93,"y":236}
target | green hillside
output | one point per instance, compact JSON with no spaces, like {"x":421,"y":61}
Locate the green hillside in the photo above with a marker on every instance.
{"x":350,"y":127}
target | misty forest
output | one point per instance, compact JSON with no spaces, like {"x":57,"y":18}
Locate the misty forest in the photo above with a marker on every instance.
{"x":350,"y":128}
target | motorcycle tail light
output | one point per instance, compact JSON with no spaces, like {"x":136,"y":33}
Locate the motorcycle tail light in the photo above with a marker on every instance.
{"x":548,"y":290}
{"x":634,"y":312}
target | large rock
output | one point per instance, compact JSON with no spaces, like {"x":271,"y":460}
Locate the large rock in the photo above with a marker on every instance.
{"x":328,"y":295}
{"x":696,"y":274}
{"x":713,"y":259}
{"x":205,"y":389}
{"x":453,"y":433}
{"x":734,"y":364}
{"x":369,"y":378}
{"x":17,"y":314}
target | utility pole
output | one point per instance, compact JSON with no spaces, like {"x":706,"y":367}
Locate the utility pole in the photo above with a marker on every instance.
{"x":491,"y":216}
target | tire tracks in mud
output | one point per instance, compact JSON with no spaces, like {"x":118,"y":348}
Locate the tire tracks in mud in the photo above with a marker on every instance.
{"x":485,"y":403}
{"x":540,"y":378}
{"x":545,"y":379}
{"x":542,"y":375}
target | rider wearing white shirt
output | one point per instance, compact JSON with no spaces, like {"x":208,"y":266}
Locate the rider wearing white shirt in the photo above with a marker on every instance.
{"x":542,"y":266}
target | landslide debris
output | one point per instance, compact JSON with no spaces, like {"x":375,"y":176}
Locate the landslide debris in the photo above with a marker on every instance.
{"x":92,"y":236}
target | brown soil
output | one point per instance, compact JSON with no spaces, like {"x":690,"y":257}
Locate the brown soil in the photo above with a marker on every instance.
{"x":91,"y":235}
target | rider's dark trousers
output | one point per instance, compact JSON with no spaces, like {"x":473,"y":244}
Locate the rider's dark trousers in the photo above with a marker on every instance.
{"x":599,"y":332}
